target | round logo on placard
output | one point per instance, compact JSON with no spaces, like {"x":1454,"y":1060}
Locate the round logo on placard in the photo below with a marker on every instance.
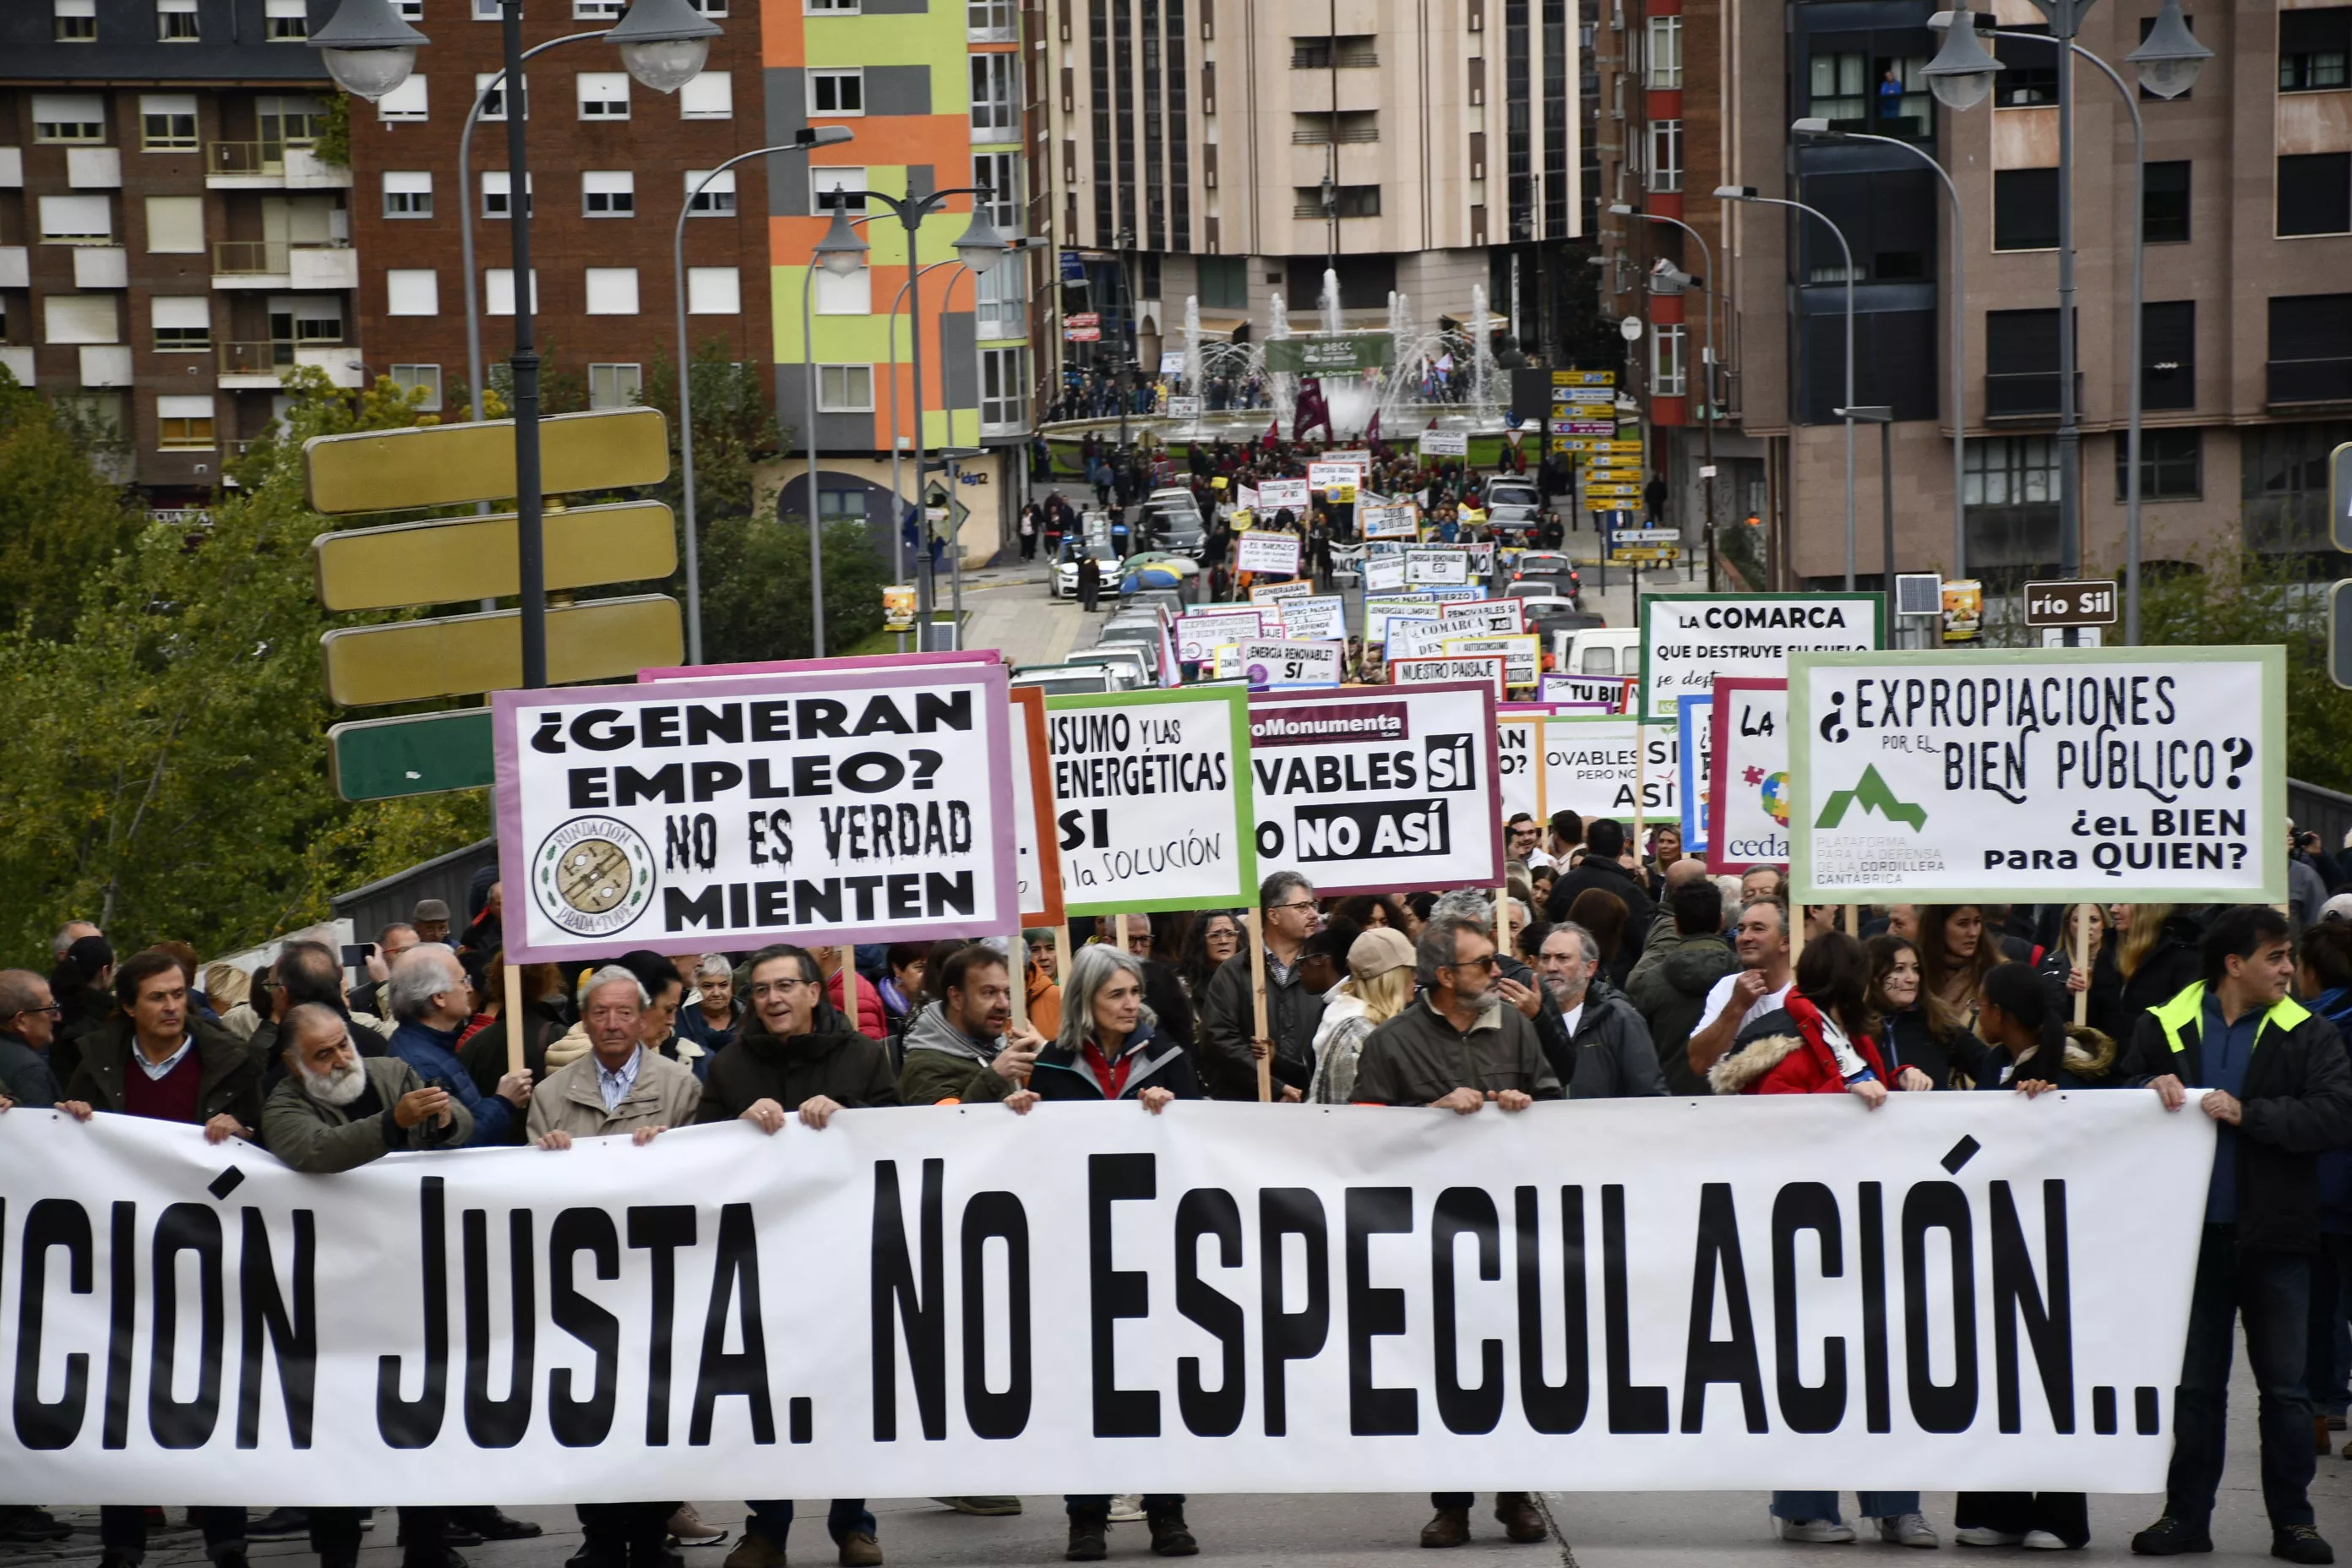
{"x":1258,"y":674}
{"x":593,"y":875}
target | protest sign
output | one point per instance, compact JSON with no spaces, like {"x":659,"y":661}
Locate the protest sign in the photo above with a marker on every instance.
{"x":1689,"y":640}
{"x":1383,"y":574}
{"x":1326,"y":476}
{"x":1374,"y":789}
{"x":1748,"y":776}
{"x":1199,"y":633}
{"x":1036,"y":846}
{"x":1611,"y":767}
{"x":1273,"y":666}
{"x":1445,"y":443}
{"x":1394,"y":521}
{"x":1453,"y":593}
{"x":1523,"y":653}
{"x":1268,"y":551}
{"x":1420,"y":670}
{"x":1377,"y":609}
{"x":1315,"y":618}
{"x":1282,"y":495}
{"x":1271,"y":594}
{"x":1612,"y":1360}
{"x":654,"y":816}
{"x":1438,"y":564}
{"x":1518,"y":759}
{"x":1246,"y":498}
{"x":1615,"y":691}
{"x":1152,"y":794}
{"x":1694,"y":743}
{"x":2154,"y":776}
{"x":1414,"y":636}
{"x":1487,"y":617}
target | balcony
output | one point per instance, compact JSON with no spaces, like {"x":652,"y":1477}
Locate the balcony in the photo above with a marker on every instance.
{"x":2311,"y":380}
{"x":270,"y":166}
{"x":2026,"y":395}
{"x":261,"y":366}
{"x":278,"y":264}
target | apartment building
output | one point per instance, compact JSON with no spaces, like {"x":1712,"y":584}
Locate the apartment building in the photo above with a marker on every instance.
{"x":2246,"y":368}
{"x":170,"y":240}
{"x":936,"y":99}
{"x":616,"y":161}
{"x":1229,"y":152}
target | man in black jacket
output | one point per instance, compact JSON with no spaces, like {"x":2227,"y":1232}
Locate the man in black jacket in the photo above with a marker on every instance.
{"x":1225,"y":1045}
{"x":1596,"y":1043}
{"x":2281,"y":1092}
{"x":28,"y":1020}
{"x":1604,"y":842}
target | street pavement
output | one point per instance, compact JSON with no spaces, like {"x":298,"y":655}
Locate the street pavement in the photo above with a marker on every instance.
{"x":1599,"y":1529}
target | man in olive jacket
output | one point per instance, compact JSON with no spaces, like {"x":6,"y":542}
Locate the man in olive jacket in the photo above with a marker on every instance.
{"x":336,"y":1110}
{"x":2278,"y":1086}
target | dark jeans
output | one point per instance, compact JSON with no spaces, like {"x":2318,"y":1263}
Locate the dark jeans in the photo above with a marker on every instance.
{"x":335,"y":1534}
{"x":2326,"y":1365}
{"x":632,"y":1532}
{"x":2272,"y":1291}
{"x":1076,"y":1504}
{"x":1825,"y":1505}
{"x":123,"y":1529}
{"x":2066,"y":1515}
{"x":773,"y":1520}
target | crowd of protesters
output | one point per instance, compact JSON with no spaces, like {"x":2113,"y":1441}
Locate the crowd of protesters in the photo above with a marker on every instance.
{"x":1620,"y":970}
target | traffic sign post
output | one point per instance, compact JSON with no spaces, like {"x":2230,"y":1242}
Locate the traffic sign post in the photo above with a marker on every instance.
{"x":422,"y":754}
{"x":2339,"y":597}
{"x":2088,"y":603}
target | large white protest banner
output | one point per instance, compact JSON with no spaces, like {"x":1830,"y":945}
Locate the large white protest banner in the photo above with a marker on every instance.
{"x":693,"y":815}
{"x":2155,"y":774}
{"x":1689,"y":640}
{"x":1154,"y":797}
{"x":1377,"y":788}
{"x":950,"y":1301}
{"x":1200,"y":633}
{"x":1748,"y":776}
{"x":1320,"y":618}
{"x":1273,"y":552}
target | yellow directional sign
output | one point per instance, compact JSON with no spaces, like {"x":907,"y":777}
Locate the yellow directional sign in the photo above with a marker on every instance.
{"x":449,"y":558}
{"x":461,"y":655}
{"x":446,"y":465}
{"x":1631,"y":491}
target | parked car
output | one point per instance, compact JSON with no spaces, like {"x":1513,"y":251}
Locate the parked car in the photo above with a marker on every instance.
{"x":1603,"y":650}
{"x":1133,"y":663}
{"x":1512,"y":492}
{"x":1064,"y":680}
{"x":1065,"y":585}
{"x":1549,"y":566}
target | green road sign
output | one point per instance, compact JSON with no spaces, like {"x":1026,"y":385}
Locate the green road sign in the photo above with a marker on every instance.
{"x":424,"y":753}
{"x":2340,"y":632}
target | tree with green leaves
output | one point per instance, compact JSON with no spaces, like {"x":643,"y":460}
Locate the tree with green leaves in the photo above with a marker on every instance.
{"x":61,"y":521}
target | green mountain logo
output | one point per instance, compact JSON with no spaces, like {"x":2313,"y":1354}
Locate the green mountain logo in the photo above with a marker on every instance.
{"x":1870,"y":793}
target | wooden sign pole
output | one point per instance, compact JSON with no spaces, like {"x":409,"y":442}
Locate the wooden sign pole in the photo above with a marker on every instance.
{"x":847,"y":958}
{"x":510,"y":1013}
{"x":2081,"y":914}
{"x":1256,"y":936}
{"x":1017,"y":973}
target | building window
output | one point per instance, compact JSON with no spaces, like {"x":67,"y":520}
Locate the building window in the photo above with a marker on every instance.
{"x":710,"y":96}
{"x":1224,"y":282}
{"x":408,"y":194}
{"x":2021,"y":363}
{"x":1666,"y":53}
{"x":2168,"y":339}
{"x":68,"y":116}
{"x":499,"y":292}
{"x":2315,"y":49}
{"x":491,"y":89}
{"x":2311,"y":349}
{"x":2029,"y":73}
{"x":1000,"y":175}
{"x":596,"y":10}
{"x":167,"y":121}
{"x":76,"y":21}
{"x":608,"y":193}
{"x":716,"y":199}
{"x":183,"y":424}
{"x":175,"y":23}
{"x":2171,"y":464}
{"x":2009,"y":470}
{"x":413,"y":291}
{"x":1000,"y":301}
{"x":1665,"y":171}
{"x":989,"y":22}
{"x":1668,"y":371}
{"x":714,"y":291}
{"x":2314,"y":193}
{"x":614,"y":385}
{"x":850,"y":295}
{"x":603,"y":95}
{"x":709,"y":8}
{"x":1347,"y":51}
{"x":1348,"y":201}
{"x":78,"y":319}
{"x":175,"y":225}
{"x":2164,"y":203}
{"x":995,"y":103}
{"x":485,"y":10}
{"x":77,"y":220}
{"x":426,"y":378}
{"x":410,"y":10}
{"x":837,"y":92}
{"x":833,"y":186}
{"x":612,"y":290}
{"x":1004,"y":389}
{"x":498,"y":193}
{"x":184,"y":325}
{"x":1839,"y":91}
{"x":286,"y":21}
{"x":2025,"y":209}
{"x":845,"y":389}
{"x":829,"y":7}
{"x":406,"y":101}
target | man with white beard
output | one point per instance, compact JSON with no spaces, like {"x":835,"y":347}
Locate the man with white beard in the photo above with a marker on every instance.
{"x":335,"y":1111}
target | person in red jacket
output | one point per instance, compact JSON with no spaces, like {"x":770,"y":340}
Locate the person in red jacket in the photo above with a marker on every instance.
{"x":1821,"y":1041}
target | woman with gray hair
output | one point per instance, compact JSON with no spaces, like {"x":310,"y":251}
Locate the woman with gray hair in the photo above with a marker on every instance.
{"x":1110,"y":1048}
{"x":711,"y":1018}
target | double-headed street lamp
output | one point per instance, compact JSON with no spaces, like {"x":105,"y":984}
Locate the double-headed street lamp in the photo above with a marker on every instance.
{"x":370,"y":50}
{"x":1714,"y":291}
{"x":2170,"y":57}
{"x":1747,"y":193}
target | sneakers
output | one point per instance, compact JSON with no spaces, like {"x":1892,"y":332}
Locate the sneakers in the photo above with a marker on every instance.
{"x":1447,"y":1527}
{"x":686,"y":1527}
{"x":2300,"y":1543}
{"x":983,"y":1507}
{"x":31,"y":1526}
{"x":1816,"y":1532}
{"x":1126,"y":1507}
{"x":1985,"y":1535}
{"x":1169,"y":1536}
{"x":2168,"y":1537}
{"x":1522,"y":1521}
{"x":755,"y":1551}
{"x":1908,"y":1530}
{"x":1087,"y":1538}
{"x":2042,"y":1541}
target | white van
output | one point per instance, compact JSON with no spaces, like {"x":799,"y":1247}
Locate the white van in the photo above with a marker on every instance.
{"x":1599,"y":650}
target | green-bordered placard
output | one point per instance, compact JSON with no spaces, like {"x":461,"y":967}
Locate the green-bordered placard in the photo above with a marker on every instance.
{"x":1607,"y":765}
{"x":1690,"y":640}
{"x":2145,"y":775}
{"x":1153,"y":800}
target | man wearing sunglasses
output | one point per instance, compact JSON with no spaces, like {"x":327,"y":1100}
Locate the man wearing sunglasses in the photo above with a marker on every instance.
{"x":28,"y":1021}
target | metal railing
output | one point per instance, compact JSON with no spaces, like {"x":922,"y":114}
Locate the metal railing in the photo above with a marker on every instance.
{"x":2311,"y":380}
{"x":248,"y":159}
{"x":263,"y":258}
{"x":256,"y":358}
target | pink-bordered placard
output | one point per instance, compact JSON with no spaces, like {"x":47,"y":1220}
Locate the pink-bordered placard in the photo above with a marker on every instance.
{"x":807,"y":679}
{"x":667,"y":672}
{"x":1718,"y":777}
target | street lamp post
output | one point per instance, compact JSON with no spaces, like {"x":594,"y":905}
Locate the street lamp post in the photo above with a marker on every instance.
{"x":370,"y":50}
{"x":1747,"y":193}
{"x":1821,"y":129}
{"x":1883,"y":416}
{"x":1126,"y":328}
{"x":1706,"y":259}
